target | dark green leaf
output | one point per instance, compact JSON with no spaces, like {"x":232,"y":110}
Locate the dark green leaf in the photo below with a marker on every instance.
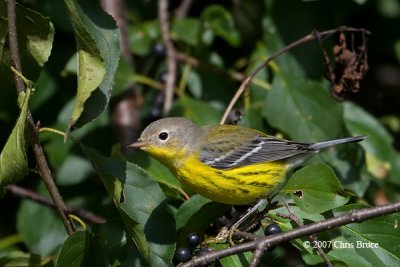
{"x":382,"y":159}
{"x":303,"y":109}
{"x":46,"y":235}
{"x":141,"y":204}
{"x":220,"y":21}
{"x":187,"y":30}
{"x":316,"y":189}
{"x":98,"y":52}
{"x":80,"y":249}
{"x":13,"y":159}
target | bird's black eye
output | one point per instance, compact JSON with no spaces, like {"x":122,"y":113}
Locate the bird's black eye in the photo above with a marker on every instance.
{"x":163,"y":136}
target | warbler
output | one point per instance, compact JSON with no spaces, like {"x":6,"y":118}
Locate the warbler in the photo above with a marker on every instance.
{"x":227,"y":163}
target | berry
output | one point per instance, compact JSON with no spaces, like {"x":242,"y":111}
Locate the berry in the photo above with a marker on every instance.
{"x":159,"y":50}
{"x":193,"y":240}
{"x":182,"y":254}
{"x":272,"y":229}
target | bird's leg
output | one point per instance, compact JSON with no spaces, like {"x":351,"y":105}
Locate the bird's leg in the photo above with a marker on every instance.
{"x":244,"y":218}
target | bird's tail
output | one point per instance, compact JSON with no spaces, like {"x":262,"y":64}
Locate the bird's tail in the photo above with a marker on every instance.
{"x":325,"y":144}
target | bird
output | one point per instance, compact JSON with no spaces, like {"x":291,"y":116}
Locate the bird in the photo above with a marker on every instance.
{"x":230,"y":164}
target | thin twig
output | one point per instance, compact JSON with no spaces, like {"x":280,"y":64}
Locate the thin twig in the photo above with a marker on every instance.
{"x":310,"y":37}
{"x":163,"y":18}
{"x":312,"y":237}
{"x":31,"y":195}
{"x":183,"y":8}
{"x":355,"y":216}
{"x":34,"y":138}
{"x":116,"y":9}
{"x":258,"y":253}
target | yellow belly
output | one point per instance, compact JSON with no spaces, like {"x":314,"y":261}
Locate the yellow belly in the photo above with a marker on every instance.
{"x":237,"y":186}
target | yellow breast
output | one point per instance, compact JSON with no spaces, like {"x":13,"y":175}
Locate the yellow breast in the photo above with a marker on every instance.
{"x":237,"y":186}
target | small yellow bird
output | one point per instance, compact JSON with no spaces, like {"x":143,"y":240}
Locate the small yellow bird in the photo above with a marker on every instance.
{"x":227,"y":163}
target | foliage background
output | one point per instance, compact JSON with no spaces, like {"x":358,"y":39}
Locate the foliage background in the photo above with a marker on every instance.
{"x":226,"y":37}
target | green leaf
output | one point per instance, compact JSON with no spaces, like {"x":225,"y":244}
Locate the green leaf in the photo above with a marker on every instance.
{"x":139,"y":39}
{"x":198,"y":111}
{"x":194,"y":84}
{"x":302,"y":109}
{"x":20,"y":259}
{"x":142,"y":206}
{"x":342,"y":251}
{"x":187,"y":30}
{"x":13,"y":159}
{"x":382,"y":159}
{"x":98,"y":52}
{"x":47,"y":233}
{"x":80,"y":249}
{"x":73,"y":170}
{"x":239,"y":259}
{"x":35,"y":39}
{"x":316,"y":189}
{"x":220,"y":21}
{"x":381,"y":232}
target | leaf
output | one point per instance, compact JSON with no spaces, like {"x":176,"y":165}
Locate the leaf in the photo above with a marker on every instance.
{"x":381,"y":232}
{"x":74,"y":170}
{"x":220,"y":21}
{"x":187,"y":30}
{"x":20,"y":259}
{"x":196,"y":110}
{"x":302,"y":109}
{"x":35,"y":39}
{"x":98,"y":54}
{"x":46,"y":234}
{"x":13,"y":159}
{"x":239,"y":259}
{"x":139,"y":39}
{"x":80,"y":249}
{"x":316,"y":189}
{"x":382,"y":159}
{"x":142,"y":206}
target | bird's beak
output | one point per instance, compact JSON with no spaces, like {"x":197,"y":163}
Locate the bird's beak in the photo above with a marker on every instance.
{"x":138,"y":144}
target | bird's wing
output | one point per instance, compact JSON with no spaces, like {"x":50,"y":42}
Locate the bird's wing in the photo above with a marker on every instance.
{"x":257,"y":149}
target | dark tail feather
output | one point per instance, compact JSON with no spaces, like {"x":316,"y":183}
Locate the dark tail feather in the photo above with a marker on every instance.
{"x":325,"y":144}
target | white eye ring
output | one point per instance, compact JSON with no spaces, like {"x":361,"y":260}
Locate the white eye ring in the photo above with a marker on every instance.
{"x":163,"y":136}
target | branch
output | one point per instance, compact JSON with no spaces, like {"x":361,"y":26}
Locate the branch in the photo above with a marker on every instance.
{"x":116,"y":9}
{"x":310,"y":37}
{"x":183,"y":8}
{"x":31,"y":195}
{"x":355,"y":216}
{"x":171,"y":58}
{"x":34,"y":137}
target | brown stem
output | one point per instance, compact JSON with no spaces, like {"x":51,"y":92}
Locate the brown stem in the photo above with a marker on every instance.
{"x":31,"y":195}
{"x":171,"y":58}
{"x":34,"y":137}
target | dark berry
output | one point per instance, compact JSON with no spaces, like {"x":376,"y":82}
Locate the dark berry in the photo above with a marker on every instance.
{"x":159,"y":50}
{"x":193,"y":240}
{"x":272,"y":229}
{"x":182,"y":254}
